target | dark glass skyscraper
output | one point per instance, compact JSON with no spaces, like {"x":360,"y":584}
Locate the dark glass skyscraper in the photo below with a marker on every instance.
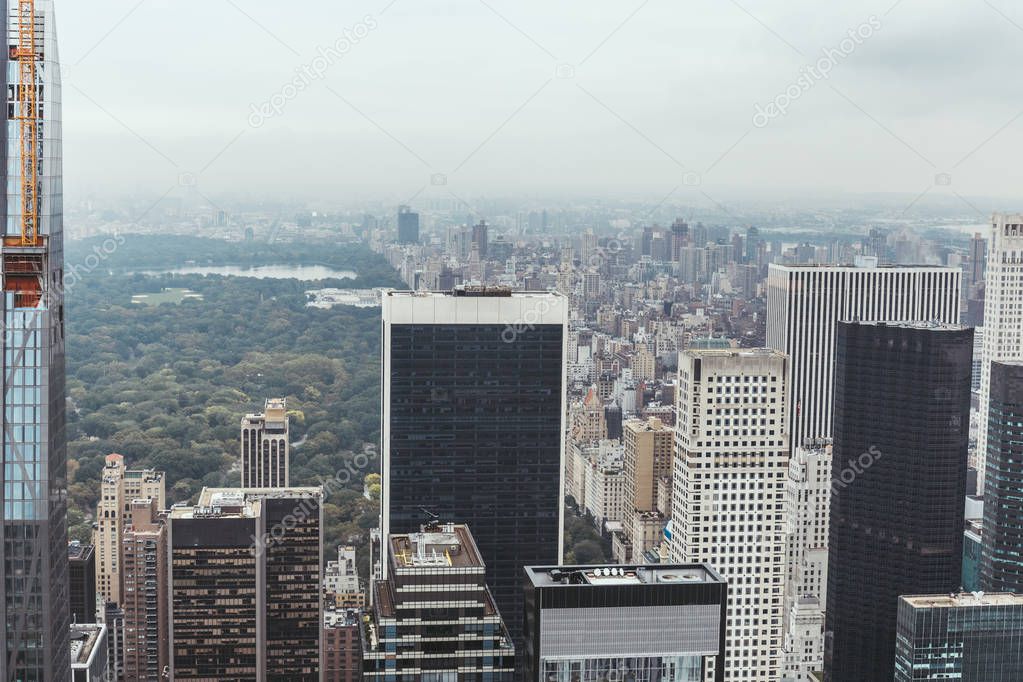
{"x":408,"y":226}
{"x":902,"y":410}
{"x":473,"y":405}
{"x":1001,"y":566}
{"x":33,"y":509}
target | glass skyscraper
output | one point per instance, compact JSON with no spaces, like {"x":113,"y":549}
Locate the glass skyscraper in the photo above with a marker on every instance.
{"x":902,"y":414}
{"x":473,"y":425}
{"x":34,"y":588}
{"x":1001,"y":566}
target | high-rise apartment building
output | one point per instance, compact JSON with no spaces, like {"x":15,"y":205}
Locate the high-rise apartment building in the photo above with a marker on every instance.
{"x":902,"y":411}
{"x":728,"y":502}
{"x":408,"y":226}
{"x":807,"y":512}
{"x":1001,"y":566}
{"x":638,"y":623}
{"x":804,"y":303}
{"x":649,"y":447}
{"x":244,"y":585}
{"x":1003,"y":314}
{"x":144,"y":592}
{"x":265,"y":451}
{"x":473,"y":424}
{"x":969,"y":637}
{"x":34,"y":596}
{"x":118,"y":487}
{"x":342,"y":646}
{"x":82,"y":573}
{"x":434,"y":618}
{"x":341,"y":582}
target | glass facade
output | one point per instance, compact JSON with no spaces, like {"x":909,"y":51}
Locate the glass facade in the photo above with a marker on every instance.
{"x":475,"y":437}
{"x":1002,"y":540}
{"x":634,"y":669}
{"x":960,"y":637}
{"x":34,"y":590}
{"x":902,"y":409}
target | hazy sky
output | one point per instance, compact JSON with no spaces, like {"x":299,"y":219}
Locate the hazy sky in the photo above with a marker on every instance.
{"x":573,"y":96}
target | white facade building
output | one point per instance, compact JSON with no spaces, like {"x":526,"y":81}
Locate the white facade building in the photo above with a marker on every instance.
{"x":1003,"y":312}
{"x":731,"y":464}
{"x":804,"y":302}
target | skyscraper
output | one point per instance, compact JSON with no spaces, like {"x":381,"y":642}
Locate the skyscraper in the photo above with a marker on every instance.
{"x":647,"y":458}
{"x":481,"y":238}
{"x":968,"y":637}
{"x":637,"y":623}
{"x":434,"y":618}
{"x":82,"y":572}
{"x":902,"y":410}
{"x":33,"y":513}
{"x":804,"y":303}
{"x":408,"y":226}
{"x":1003,"y":318}
{"x":244,"y":585}
{"x":118,"y":487}
{"x":144,"y":596}
{"x":1001,"y":566}
{"x":266,"y":452}
{"x":731,"y":461}
{"x":473,"y":426}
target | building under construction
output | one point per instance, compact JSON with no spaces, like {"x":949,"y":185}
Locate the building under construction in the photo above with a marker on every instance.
{"x":33,"y":554}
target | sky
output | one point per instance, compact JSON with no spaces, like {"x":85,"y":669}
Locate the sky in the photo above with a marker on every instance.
{"x":407,"y":99}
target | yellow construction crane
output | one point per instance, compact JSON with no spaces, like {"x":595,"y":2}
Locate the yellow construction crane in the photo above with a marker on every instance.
{"x":27,"y":114}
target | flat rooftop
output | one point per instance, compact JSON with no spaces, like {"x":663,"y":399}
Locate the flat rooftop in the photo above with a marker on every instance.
{"x":243,"y":503}
{"x":613,"y":575}
{"x":84,"y":638}
{"x":964,"y":600}
{"x":915,"y":324}
{"x":854,"y":266}
{"x":436,"y":546}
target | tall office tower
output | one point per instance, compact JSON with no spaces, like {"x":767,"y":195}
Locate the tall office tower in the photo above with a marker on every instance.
{"x":1003,"y":318}
{"x":731,"y":462}
{"x":266,"y":451}
{"x":408,"y":226}
{"x":82,"y":573}
{"x":978,"y":260}
{"x":902,"y":415}
{"x":804,"y":303}
{"x":679,"y":238}
{"x":434,"y":618}
{"x":33,"y":508}
{"x":969,"y":637}
{"x":473,"y":424}
{"x":118,"y":487}
{"x":1001,"y":566}
{"x":807,"y":509}
{"x":648,"y":455}
{"x":244,"y":585}
{"x":752,"y":256}
{"x":144,"y":594}
{"x":480,"y":238}
{"x":638,"y":623}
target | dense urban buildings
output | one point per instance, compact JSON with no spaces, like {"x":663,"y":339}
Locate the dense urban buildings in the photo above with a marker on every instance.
{"x":265,"y":449}
{"x":731,"y":464}
{"x":1001,"y":566}
{"x":144,"y":595}
{"x":1003,"y":317}
{"x":473,"y":425}
{"x":625,"y":622}
{"x":118,"y":488}
{"x":973,"y":637}
{"x":805,"y":302}
{"x":434,"y":617}
{"x":34,"y":599}
{"x":244,"y":585}
{"x":902,"y":408}
{"x":82,"y":582}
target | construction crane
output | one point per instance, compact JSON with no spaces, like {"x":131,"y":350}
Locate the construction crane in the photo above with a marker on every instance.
{"x":28,"y":116}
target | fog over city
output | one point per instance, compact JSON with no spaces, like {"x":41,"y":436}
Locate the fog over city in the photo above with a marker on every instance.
{"x":396,"y":99}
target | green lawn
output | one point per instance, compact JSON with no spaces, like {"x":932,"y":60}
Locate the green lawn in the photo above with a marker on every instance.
{"x":166,"y":296}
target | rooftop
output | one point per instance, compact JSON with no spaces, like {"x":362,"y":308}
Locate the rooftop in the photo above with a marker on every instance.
{"x":930,"y":324}
{"x":76,"y":551}
{"x":963,"y":600}
{"x":436,"y":545}
{"x":604,"y":576}
{"x":84,"y":640}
